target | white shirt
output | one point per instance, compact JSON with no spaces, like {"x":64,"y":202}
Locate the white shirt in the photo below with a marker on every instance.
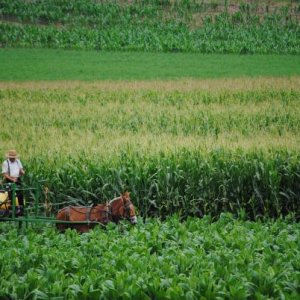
{"x":13,"y":169}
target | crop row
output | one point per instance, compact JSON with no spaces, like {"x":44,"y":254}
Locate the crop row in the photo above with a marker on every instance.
{"x":196,"y":259}
{"x":184,"y":182}
{"x":112,"y":26}
{"x":88,"y":13}
{"x":105,"y":122}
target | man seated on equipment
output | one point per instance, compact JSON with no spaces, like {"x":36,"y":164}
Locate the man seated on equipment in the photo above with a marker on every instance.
{"x":12,"y":170}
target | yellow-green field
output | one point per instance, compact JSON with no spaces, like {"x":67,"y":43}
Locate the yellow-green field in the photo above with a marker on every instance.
{"x":102,"y":118}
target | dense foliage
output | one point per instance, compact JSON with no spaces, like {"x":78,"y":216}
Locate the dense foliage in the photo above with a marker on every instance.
{"x":185,"y":25}
{"x":185,"y":182}
{"x":191,"y":152}
{"x":197,"y":259}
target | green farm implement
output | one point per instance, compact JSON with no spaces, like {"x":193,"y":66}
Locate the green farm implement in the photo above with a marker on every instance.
{"x":36,"y":208}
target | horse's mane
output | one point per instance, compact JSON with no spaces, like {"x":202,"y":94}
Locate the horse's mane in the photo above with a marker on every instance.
{"x":117,"y":198}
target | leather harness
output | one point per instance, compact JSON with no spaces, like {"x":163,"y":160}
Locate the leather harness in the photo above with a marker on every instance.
{"x":108,"y":212}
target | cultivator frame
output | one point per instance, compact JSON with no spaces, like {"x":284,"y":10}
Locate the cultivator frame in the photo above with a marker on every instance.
{"x":26,"y":217}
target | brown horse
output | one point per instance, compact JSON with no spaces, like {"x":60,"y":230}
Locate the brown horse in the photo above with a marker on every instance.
{"x":84,"y":218}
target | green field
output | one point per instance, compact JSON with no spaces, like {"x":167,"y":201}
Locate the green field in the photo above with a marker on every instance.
{"x":33,"y":64}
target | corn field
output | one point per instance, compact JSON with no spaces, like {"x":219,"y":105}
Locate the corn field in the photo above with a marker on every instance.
{"x":159,"y":26}
{"x":186,"y":150}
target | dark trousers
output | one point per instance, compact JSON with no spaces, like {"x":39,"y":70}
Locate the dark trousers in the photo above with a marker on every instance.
{"x":19,"y":194}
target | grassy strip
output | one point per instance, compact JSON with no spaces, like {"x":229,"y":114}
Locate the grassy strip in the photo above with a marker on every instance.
{"x":213,"y":86}
{"x":228,"y":259}
{"x":34,"y":64}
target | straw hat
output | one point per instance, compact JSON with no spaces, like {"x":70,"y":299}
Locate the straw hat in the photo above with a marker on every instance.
{"x":12,"y":154}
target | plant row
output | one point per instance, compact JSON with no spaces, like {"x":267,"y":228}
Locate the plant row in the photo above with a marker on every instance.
{"x":91,"y":12}
{"x":187,"y":182}
{"x":193,"y":114}
{"x":112,"y":26}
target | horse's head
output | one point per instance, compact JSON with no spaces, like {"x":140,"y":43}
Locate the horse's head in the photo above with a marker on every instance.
{"x":122,"y":208}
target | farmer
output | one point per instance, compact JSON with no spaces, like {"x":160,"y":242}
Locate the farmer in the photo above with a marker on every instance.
{"x":12,"y":170}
